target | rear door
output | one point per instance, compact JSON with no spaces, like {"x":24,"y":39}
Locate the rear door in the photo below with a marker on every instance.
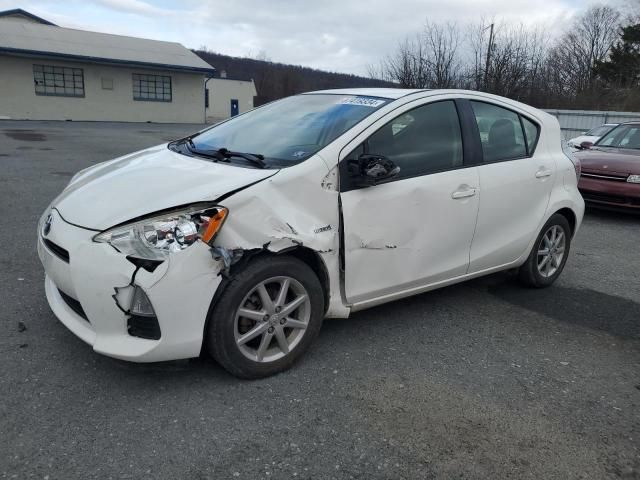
{"x":417,"y":228}
{"x":516,"y":179}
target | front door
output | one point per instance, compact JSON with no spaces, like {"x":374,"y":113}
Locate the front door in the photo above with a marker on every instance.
{"x":234,"y":107}
{"x":416,"y":228}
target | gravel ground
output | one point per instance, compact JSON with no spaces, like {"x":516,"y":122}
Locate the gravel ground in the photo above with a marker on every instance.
{"x":479,"y":380}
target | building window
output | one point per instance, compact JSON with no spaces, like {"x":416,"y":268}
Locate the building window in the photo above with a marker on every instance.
{"x":154,"y":88}
{"x":58,"y":81}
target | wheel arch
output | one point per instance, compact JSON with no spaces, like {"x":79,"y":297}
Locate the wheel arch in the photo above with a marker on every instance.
{"x":314,"y":261}
{"x":306,"y":255}
{"x":571,"y":217}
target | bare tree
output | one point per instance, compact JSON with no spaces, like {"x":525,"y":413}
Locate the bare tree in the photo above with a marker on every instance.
{"x":477,"y":69}
{"x":577,"y":52}
{"x":264,"y":76}
{"x":427,"y":60}
{"x":441,"y":48}
{"x":515,"y":61}
{"x":631,"y":11}
{"x":506,"y":60}
{"x":514,"y":66}
{"x":406,"y":66}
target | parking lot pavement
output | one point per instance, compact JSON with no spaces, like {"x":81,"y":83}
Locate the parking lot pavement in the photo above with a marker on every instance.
{"x":479,"y":380}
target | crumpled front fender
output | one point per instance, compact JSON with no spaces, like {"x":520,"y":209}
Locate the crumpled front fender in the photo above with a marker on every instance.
{"x":298,"y":208}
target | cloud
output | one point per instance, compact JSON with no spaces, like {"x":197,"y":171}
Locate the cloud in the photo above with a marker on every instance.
{"x":334,"y":35}
{"x":137,"y":7}
{"x":349,"y":36}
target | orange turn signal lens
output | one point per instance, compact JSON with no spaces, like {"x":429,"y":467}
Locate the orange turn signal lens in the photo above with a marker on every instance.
{"x":215,"y":222}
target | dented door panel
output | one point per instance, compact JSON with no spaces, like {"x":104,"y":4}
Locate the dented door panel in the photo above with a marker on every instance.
{"x":407,"y":233}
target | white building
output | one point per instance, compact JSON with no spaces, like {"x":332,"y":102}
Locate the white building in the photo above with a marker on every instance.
{"x":54,"y":73}
{"x":228,"y":96}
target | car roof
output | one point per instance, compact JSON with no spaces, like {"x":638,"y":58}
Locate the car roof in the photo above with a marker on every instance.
{"x":391,"y":93}
{"x":394,"y":94}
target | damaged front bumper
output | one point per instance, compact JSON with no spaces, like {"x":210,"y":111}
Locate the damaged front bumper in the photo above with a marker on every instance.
{"x":83,"y":279}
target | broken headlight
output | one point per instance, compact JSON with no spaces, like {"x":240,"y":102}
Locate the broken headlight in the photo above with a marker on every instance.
{"x":156,"y":237}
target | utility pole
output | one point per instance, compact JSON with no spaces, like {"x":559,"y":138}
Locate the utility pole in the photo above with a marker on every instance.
{"x":486,"y":67}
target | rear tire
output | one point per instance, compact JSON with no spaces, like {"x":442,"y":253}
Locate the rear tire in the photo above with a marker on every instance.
{"x":266,"y":318}
{"x":548,"y":255}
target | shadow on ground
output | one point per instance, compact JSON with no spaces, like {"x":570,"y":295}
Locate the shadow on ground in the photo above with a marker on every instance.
{"x":611,"y":215}
{"x":578,"y":306}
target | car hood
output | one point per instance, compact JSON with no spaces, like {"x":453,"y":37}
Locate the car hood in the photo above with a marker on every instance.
{"x":612,"y":160}
{"x":144,"y":182}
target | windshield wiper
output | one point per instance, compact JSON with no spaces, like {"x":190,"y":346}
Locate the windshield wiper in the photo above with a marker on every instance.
{"x":187,"y":140}
{"x":222,"y":154}
{"x":255,"y":158}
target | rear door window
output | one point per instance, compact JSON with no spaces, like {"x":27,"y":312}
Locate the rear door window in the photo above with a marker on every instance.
{"x":501,"y":133}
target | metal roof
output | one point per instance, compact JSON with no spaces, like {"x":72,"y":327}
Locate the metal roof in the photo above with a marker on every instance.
{"x":17,"y":12}
{"x":31,"y":39}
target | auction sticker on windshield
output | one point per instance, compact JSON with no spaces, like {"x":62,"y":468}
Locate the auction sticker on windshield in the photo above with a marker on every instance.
{"x":362,"y":101}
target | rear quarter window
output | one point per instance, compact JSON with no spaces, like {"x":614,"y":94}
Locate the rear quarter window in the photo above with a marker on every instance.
{"x":532,"y":132}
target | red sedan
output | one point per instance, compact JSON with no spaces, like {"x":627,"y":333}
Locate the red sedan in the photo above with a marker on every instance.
{"x":611,"y":169}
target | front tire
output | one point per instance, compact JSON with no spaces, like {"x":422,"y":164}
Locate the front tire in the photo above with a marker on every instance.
{"x":266,"y":318}
{"x":549,"y":254}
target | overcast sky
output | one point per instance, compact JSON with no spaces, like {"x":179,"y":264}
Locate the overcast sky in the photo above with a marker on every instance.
{"x":336,"y":35}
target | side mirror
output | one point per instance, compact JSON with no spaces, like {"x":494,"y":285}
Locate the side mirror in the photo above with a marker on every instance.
{"x":372,"y":169}
{"x":586,"y":145}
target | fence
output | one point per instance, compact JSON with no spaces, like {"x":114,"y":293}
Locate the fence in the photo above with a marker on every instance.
{"x":576,"y":122}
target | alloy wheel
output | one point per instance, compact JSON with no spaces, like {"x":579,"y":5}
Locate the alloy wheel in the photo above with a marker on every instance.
{"x":551,"y":251}
{"x":272,"y":319}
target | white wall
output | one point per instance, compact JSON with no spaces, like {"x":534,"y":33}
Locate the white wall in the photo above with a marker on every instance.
{"x":18,"y":99}
{"x":222,"y":90}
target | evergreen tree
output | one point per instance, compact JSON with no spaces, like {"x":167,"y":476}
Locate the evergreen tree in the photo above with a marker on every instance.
{"x":622,"y":69}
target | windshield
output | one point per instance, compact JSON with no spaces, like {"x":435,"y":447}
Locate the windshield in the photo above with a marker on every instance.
{"x":290,"y":130}
{"x":623,"y":136}
{"x":599,"y":131}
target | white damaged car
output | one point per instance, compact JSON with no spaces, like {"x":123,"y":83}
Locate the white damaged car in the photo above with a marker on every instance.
{"x":240,"y":239}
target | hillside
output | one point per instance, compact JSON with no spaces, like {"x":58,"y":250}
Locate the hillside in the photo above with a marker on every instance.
{"x":277,"y":80}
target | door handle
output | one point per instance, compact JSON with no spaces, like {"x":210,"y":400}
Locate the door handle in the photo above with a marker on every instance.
{"x":464,"y":193}
{"x":544,"y":173}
